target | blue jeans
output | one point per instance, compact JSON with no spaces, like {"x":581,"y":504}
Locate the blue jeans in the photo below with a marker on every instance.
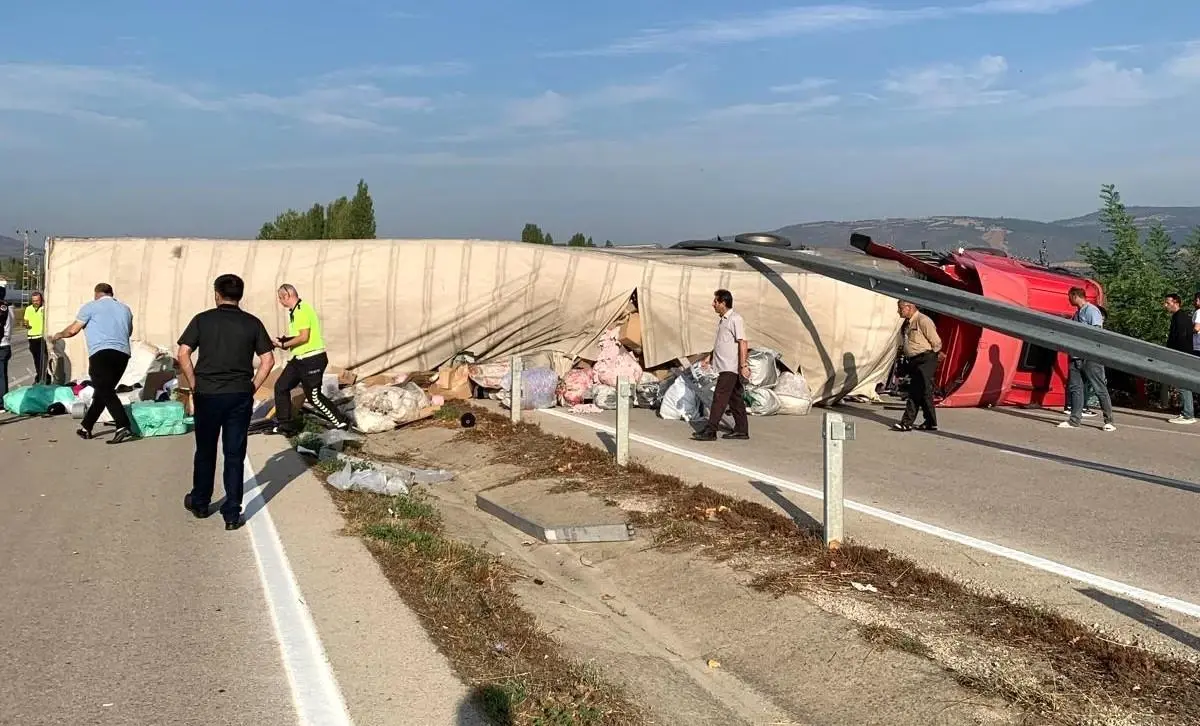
{"x":224,"y":416}
{"x":1186,"y":405}
{"x":1091,"y":374}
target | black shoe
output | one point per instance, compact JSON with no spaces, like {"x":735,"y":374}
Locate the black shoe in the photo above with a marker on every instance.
{"x":83,"y":433}
{"x":234,"y":524}
{"x":197,"y":512}
{"x":736,"y":436}
{"x":121,"y":436}
{"x":927,"y":427}
{"x":704,"y":436}
{"x":902,"y":427}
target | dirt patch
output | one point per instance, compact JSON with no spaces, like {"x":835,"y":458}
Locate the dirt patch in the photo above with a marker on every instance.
{"x":464,"y":596}
{"x":1054,"y":668}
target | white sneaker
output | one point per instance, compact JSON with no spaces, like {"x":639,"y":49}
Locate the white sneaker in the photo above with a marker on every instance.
{"x":1182,"y":420}
{"x":1108,"y":427}
{"x":1088,"y":413}
{"x":1067,"y":425}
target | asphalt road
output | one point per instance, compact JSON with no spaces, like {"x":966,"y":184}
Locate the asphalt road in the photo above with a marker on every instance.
{"x":119,"y":607}
{"x":1123,"y":504}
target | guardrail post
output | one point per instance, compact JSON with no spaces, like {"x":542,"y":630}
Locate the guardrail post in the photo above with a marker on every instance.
{"x":835,"y":431}
{"x":624,"y":393}
{"x":516,"y":369}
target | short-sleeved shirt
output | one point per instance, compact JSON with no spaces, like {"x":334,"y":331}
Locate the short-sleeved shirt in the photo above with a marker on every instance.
{"x":1089,"y":314}
{"x":919,"y":335}
{"x":35,"y":318}
{"x":227,"y":339}
{"x":302,"y":317}
{"x":107,"y":323}
{"x":730,"y":329}
{"x":1195,"y":335}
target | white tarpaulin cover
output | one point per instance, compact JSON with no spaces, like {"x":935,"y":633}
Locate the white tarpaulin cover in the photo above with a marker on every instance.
{"x":407,"y":305}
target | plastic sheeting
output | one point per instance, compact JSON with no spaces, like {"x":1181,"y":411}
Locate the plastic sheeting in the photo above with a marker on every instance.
{"x":407,"y":305}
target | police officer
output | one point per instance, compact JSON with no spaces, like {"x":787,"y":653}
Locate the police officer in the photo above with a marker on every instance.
{"x":306,"y":367}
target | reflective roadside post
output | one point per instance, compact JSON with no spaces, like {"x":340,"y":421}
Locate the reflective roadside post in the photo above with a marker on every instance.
{"x":835,"y":430}
{"x":624,"y":393}
{"x":517,"y":368}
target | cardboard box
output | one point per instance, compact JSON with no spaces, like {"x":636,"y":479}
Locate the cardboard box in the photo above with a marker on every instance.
{"x":630,"y":334}
{"x":452,"y":384}
{"x":347,"y":378}
{"x":267,"y":392}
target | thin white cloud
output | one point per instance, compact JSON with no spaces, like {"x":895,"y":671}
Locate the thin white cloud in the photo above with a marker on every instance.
{"x":950,"y":86}
{"x":123,"y":97}
{"x":783,"y":108}
{"x":552,"y":108}
{"x":1111,"y":84}
{"x":386,"y":72}
{"x":807,"y":19}
{"x":804,"y":86}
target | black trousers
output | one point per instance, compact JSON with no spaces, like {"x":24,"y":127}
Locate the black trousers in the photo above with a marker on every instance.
{"x":224,"y":416}
{"x":105,"y":369}
{"x":921,"y":371}
{"x":37,"y":349}
{"x":728,"y":396}
{"x":307,"y":373}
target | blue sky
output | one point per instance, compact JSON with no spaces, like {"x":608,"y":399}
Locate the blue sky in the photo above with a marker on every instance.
{"x":627,"y":120}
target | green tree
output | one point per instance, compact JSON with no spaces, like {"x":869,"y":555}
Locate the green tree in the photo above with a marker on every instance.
{"x":337,"y":219}
{"x":1135,"y":274}
{"x":577,"y":240}
{"x":532,"y":234}
{"x":608,"y":243}
{"x":360,"y":220}
{"x":340,"y":219}
{"x":1189,"y":265}
{"x":590,"y":243}
{"x":549,"y":239}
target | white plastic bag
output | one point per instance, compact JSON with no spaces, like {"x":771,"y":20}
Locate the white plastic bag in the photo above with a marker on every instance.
{"x":369,"y":480}
{"x":605,"y":397}
{"x":763,"y":402}
{"x":383,"y":408}
{"x":336,"y":438}
{"x":763,"y":371}
{"x":143,"y":360}
{"x":539,"y":389}
{"x":680,"y":402}
{"x":793,"y":405}
{"x":647,"y":395}
{"x":790,"y":384}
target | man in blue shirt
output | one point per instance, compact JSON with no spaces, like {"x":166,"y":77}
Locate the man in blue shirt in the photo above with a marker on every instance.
{"x":1081,"y":370}
{"x":109,"y":325}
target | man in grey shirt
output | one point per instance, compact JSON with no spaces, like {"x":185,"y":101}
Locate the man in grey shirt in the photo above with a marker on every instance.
{"x":730,"y":358}
{"x":1081,"y":370}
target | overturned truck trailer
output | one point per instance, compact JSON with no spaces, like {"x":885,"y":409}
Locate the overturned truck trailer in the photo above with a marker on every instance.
{"x":409,"y":305}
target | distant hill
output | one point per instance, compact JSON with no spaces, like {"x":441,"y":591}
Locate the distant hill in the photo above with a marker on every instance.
{"x":10,"y":247}
{"x":1022,"y":237}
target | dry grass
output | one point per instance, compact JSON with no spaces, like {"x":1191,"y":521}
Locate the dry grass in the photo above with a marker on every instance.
{"x":463,"y":596}
{"x":1074,"y":674}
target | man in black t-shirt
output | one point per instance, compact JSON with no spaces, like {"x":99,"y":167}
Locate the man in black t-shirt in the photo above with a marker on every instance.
{"x":223,"y":384}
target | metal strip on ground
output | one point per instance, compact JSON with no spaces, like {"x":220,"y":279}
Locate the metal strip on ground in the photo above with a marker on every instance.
{"x":315,"y":692}
{"x":1102,"y":583}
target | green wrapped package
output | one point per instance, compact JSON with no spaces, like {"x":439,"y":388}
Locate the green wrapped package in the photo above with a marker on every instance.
{"x":34,"y":400}
{"x":151,"y":418}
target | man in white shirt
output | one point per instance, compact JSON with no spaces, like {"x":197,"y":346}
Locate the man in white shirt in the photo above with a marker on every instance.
{"x":731,"y":359}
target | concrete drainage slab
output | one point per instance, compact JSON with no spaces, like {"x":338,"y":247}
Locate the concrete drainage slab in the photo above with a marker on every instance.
{"x":535,"y":508}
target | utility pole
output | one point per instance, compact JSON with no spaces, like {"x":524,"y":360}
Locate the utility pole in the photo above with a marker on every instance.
{"x":29,"y":273}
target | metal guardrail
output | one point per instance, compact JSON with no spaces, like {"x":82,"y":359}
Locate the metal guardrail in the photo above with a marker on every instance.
{"x":1153,"y":362}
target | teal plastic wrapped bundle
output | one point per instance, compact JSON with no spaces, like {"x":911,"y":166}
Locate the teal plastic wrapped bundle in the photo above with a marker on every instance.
{"x":34,"y":400}
{"x":151,"y":418}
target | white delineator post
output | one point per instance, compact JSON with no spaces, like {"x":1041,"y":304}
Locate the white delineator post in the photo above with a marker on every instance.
{"x":518,"y":367}
{"x":624,"y":393}
{"x":835,"y":431}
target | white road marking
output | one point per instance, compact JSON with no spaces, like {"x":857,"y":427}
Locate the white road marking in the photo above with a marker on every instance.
{"x":1102,"y":583}
{"x":315,"y":692}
